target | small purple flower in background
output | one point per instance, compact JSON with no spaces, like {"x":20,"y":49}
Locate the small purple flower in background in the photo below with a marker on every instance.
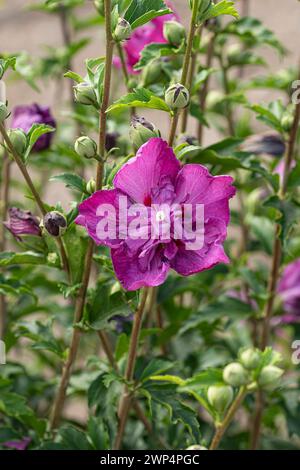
{"x":269,"y":143}
{"x":155,"y":177}
{"x":149,"y":33}
{"x":121,"y":322}
{"x":289,"y":291}
{"x":18,"y":445}
{"x":25,"y":116}
{"x":22,"y":223}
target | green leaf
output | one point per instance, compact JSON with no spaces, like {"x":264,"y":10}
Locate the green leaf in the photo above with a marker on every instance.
{"x":35,"y":132}
{"x":5,"y":64}
{"x":74,"y":76}
{"x":42,"y":336}
{"x":76,"y":246}
{"x":156,"y":366}
{"x":72,"y":439}
{"x":222,"y":8}
{"x":14,"y":405}
{"x":140,"y":12}
{"x":71,"y":180}
{"x":8,"y":258}
{"x":96,"y":391}
{"x":253,"y":32}
{"x":122,"y":346}
{"x":140,"y":98}
{"x":103,"y":304}
{"x":206,"y":378}
{"x":155,"y":51}
{"x":263,"y":229}
{"x":270,"y":114}
{"x":224,"y":308}
{"x":172,"y":379}
{"x":287,"y":214}
{"x":16,"y":288}
{"x":165,"y":395}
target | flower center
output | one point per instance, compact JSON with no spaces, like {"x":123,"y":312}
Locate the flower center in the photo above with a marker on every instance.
{"x":160,"y":216}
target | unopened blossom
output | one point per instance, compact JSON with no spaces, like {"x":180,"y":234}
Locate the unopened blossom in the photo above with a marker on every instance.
{"x":25,"y":116}
{"x":289,"y":292}
{"x":22,"y":223}
{"x":153,"y":180}
{"x":18,"y":445}
{"x":149,"y":33}
{"x":269,"y":143}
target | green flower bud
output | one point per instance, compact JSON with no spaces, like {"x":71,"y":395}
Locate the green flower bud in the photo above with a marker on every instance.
{"x":141,"y":131}
{"x":234,"y":374}
{"x":3,"y":112}
{"x":132,"y":83}
{"x":174,"y":32}
{"x":269,"y":376}
{"x":91,"y":186}
{"x":196,"y":447}
{"x":19,"y":140}
{"x":287,"y":121}
{"x":86,"y":147}
{"x":55,"y":223}
{"x":53,"y":259}
{"x":250,"y":358}
{"x":151,"y":73}
{"x":220,"y":397}
{"x":123,"y":30}
{"x":177,"y":96}
{"x":85,"y":94}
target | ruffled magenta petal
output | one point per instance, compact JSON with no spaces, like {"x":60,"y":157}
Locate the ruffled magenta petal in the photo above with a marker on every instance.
{"x":154,"y":165}
{"x":90,"y":218}
{"x":134,"y":273}
{"x":188,"y":262}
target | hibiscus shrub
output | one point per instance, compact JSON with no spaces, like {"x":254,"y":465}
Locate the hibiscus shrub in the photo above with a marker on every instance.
{"x":130,"y":318}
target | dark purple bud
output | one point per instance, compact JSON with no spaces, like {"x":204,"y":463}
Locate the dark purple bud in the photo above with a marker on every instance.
{"x":22,"y":223}
{"x":25,"y":116}
{"x":18,"y":445}
{"x":55,"y":223}
{"x":177,"y":96}
{"x":187,"y":139}
{"x":289,"y":292}
{"x":111,"y":140}
{"x":270,"y":143}
{"x":121,"y":322}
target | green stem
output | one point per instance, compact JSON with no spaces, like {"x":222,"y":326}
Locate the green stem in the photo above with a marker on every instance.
{"x":274,"y":274}
{"x":5,"y":182}
{"x":222,"y":427}
{"x":125,"y":401}
{"x":123,"y":64}
{"x":204,"y":90}
{"x":186,"y":65}
{"x":39,"y":202}
{"x":226,"y":86}
{"x":81,"y":298}
{"x":191,"y":74}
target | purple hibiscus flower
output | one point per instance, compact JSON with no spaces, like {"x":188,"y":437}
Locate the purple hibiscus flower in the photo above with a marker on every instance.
{"x":22,"y":223}
{"x":147,"y":34}
{"x":269,"y":143}
{"x":153,"y":180}
{"x":25,"y":116}
{"x":18,"y":445}
{"x":289,"y":291}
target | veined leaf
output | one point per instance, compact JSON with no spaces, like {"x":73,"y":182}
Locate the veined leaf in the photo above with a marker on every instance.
{"x":140,"y":98}
{"x":140,"y":12}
